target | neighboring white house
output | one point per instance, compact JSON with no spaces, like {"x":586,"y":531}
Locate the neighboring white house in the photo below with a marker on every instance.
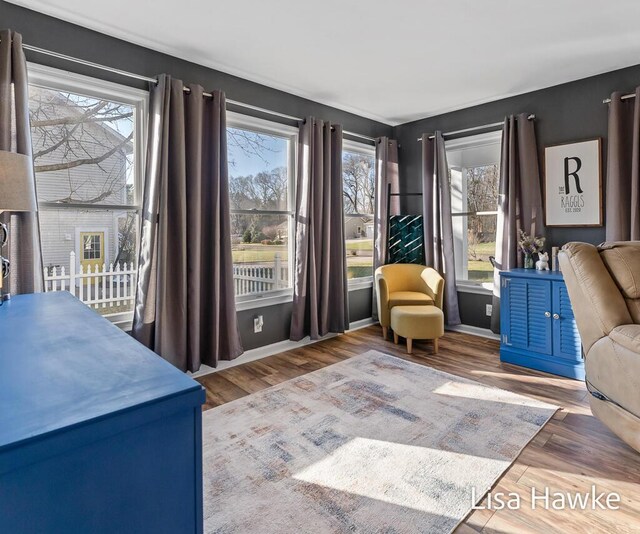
{"x":91,"y":234}
{"x":358,"y":227}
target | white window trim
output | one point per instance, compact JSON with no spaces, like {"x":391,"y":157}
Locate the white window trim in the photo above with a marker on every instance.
{"x":475,"y":141}
{"x":58,"y":79}
{"x":51,"y":78}
{"x":349,"y":145}
{"x":266,"y":299}
{"x":479,"y":288}
{"x":238,"y":120}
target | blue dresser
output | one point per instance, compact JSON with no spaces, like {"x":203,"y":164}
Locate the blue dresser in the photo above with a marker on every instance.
{"x":97,"y":433}
{"x":537,"y":327}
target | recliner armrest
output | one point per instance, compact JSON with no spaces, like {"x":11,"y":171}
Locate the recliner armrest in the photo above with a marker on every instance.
{"x":597,"y":303}
{"x":627,"y":335}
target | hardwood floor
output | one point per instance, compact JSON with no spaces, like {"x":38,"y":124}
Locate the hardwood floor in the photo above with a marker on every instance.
{"x":572,"y":452}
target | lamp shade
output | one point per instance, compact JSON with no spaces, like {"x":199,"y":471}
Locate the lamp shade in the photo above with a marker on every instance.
{"x":17,"y":186}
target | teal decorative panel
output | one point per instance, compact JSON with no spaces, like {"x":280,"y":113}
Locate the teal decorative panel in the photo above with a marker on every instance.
{"x":406,"y":239}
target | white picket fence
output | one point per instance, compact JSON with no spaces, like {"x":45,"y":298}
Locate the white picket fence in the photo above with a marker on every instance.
{"x":251,"y":279}
{"x":110,"y":286}
{"x":105,"y":286}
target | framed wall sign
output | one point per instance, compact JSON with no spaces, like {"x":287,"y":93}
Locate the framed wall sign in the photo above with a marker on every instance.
{"x":573,"y":184}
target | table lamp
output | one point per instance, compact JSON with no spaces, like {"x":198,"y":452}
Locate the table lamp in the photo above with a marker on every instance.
{"x":17,"y":193}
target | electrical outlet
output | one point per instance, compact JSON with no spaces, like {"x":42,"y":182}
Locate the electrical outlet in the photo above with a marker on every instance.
{"x":489,"y":310}
{"x":258,"y":322}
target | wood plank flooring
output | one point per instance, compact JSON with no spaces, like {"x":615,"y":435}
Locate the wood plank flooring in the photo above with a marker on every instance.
{"x":573,"y":451}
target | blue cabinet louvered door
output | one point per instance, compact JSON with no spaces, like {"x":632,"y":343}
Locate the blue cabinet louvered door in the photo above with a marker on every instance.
{"x":566,"y":339}
{"x":537,"y":326}
{"x":528,"y":314}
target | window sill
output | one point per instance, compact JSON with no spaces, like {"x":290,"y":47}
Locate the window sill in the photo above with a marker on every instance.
{"x":365,"y":283}
{"x":478,"y":289}
{"x":265,"y":300}
{"x":123,"y":320}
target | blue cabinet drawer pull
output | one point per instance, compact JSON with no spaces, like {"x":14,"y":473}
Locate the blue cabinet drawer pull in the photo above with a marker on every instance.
{"x":556,"y":316}
{"x":547,"y":314}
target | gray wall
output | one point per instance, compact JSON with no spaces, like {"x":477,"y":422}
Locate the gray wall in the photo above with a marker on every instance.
{"x":277,"y":319}
{"x":54,"y":34}
{"x":568,"y":112}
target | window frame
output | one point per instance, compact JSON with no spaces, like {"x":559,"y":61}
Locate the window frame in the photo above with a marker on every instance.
{"x":348,"y":145}
{"x":62,"y":80}
{"x":291,"y":133}
{"x":468,"y":142}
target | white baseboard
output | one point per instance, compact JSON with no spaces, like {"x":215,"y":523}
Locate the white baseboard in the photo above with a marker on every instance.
{"x":474,"y":330}
{"x":275,"y":348}
{"x":362,"y":323}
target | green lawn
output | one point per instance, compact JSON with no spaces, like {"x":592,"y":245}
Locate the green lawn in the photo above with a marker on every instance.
{"x":485,"y":249}
{"x":480,"y":271}
{"x":357,"y":266}
{"x":257,"y":253}
{"x":360,"y":245}
{"x":360,"y":261}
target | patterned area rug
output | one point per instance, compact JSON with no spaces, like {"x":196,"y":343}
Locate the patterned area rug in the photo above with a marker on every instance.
{"x":370,"y":444}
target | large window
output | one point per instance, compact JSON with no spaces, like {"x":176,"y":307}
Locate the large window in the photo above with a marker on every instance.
{"x":261,"y":189}
{"x":88,"y":137}
{"x":474,"y":166}
{"x":358,"y":173}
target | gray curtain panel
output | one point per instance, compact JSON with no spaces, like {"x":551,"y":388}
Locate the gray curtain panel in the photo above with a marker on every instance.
{"x":320,"y":275}
{"x":519,"y":199}
{"x":623,"y":169}
{"x":438,"y":225}
{"x":23,"y":248}
{"x":185,"y":303}
{"x":386,"y":174}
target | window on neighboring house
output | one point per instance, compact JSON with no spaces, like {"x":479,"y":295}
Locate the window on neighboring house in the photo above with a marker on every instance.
{"x":474,"y":163}
{"x":358,"y":174}
{"x":261,"y":189}
{"x":88,"y":137}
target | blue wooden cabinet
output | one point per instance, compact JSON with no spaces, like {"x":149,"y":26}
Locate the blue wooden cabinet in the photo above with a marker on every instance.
{"x":537,"y":327}
{"x":97,"y":433}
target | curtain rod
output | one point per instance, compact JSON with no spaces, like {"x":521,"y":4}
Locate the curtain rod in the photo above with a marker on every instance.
{"x":143,"y":78}
{"x":623,"y":97}
{"x":474,"y":128}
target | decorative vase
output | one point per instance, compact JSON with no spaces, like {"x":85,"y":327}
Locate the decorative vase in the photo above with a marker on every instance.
{"x":528,"y":261}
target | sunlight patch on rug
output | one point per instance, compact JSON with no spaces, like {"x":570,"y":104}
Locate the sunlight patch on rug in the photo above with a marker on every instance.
{"x":480,"y":392}
{"x":389,"y":472}
{"x":373,"y":443}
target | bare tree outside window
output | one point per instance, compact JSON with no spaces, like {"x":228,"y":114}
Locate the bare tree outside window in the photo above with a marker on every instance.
{"x":482,"y":202}
{"x":358,"y":177}
{"x":261,"y":221}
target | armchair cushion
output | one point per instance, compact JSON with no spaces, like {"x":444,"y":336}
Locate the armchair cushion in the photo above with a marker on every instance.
{"x":408,"y":298}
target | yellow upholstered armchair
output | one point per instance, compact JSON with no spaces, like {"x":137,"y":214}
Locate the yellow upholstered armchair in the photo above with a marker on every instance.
{"x":406,"y":284}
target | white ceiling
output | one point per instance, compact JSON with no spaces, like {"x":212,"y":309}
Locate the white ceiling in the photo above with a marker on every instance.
{"x":390,"y":61}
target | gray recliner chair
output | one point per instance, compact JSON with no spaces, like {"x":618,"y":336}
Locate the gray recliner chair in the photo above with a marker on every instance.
{"x":604,"y":287}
